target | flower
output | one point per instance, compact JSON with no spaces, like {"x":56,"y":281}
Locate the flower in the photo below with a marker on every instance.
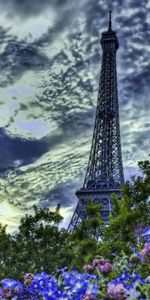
{"x":126,"y":281}
{"x":67,"y":286}
{"x":137,"y":254}
{"x":117,"y":292}
{"x":146,"y":234}
{"x":87,"y":268}
{"x":91,"y":293}
{"x":135,"y":258}
{"x":146,"y":250}
{"x":11,"y":287}
{"x":102,"y":265}
{"x":106,"y":268}
{"x":138,"y":230}
{"x":28,"y":278}
{"x":98,"y":261}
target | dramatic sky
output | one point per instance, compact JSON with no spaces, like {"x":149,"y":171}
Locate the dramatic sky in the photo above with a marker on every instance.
{"x":49,"y":72}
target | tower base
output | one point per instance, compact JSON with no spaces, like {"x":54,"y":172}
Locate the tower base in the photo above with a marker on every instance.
{"x":103,"y":197}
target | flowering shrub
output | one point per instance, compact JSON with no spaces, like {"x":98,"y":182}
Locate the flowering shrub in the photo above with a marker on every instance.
{"x":125,"y":278}
{"x":67,"y":285}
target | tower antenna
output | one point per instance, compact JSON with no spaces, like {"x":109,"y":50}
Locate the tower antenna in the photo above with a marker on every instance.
{"x":110,"y":23}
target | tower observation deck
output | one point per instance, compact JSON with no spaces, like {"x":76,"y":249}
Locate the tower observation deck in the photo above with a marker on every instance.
{"x":104,"y":174}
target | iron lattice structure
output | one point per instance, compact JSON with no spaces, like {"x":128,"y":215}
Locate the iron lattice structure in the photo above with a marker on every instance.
{"x":104,"y":174}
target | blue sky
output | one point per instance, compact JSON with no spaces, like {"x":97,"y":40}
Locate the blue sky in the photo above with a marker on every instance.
{"x":50,"y":59}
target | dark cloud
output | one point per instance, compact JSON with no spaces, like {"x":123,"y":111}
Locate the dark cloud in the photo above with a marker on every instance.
{"x":63,"y":21}
{"x":15,"y":151}
{"x":132,"y":31}
{"x":63,"y":194}
{"x":137,"y":4}
{"x":74,"y":108}
{"x":140,"y":139}
{"x":27,"y":8}
{"x":18,"y":57}
{"x":5,"y":36}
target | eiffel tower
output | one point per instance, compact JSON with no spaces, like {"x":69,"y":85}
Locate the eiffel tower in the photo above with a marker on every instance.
{"x":104,"y":174}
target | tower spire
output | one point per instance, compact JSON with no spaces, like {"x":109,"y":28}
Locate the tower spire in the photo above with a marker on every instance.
{"x":110,"y":23}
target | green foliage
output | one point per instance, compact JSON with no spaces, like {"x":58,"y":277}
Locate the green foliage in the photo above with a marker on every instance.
{"x":5,"y":250}
{"x":35,"y":247}
{"x":85,"y":237}
{"x":39,"y":244}
{"x":127,"y":214}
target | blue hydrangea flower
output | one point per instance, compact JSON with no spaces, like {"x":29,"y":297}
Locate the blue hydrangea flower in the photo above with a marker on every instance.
{"x":146,"y":234}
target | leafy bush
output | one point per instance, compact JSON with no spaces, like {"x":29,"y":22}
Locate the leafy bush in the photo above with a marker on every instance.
{"x":101,"y":280}
{"x":40,"y":246}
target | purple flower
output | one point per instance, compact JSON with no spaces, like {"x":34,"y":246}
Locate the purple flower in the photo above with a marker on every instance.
{"x":91,"y":293}
{"x":139,"y":230}
{"x":87,"y":268}
{"x":102,"y":265}
{"x":146,"y":250}
{"x":28,"y":278}
{"x":106,"y":268}
{"x":99,"y":261}
{"x":117,"y":292}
